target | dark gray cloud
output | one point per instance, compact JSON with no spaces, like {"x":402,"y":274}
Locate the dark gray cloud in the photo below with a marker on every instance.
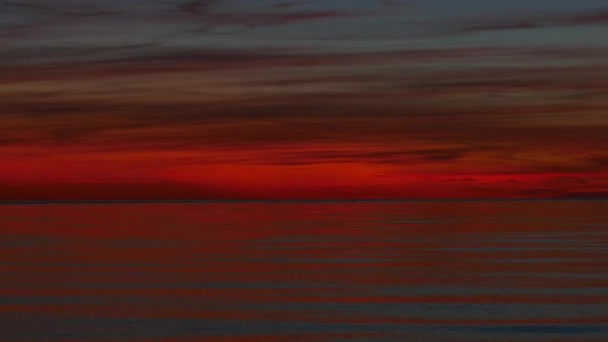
{"x":275,"y":14}
{"x":539,"y":20}
{"x":58,"y":8}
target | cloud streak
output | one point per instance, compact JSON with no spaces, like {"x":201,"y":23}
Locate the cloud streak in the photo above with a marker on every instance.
{"x":596,"y":16}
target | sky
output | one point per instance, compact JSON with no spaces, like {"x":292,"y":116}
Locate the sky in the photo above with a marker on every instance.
{"x":303,"y":99}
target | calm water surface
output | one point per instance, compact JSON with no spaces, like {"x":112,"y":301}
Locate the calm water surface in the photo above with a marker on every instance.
{"x":316,"y":271}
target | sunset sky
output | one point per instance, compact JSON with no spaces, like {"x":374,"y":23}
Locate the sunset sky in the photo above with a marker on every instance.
{"x":310,"y":99}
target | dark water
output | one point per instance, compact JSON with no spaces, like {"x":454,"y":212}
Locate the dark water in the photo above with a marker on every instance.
{"x":375,"y":271}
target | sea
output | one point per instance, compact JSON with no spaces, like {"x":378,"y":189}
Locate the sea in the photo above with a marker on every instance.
{"x":477,"y":270}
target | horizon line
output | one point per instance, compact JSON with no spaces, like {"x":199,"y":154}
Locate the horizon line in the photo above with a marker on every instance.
{"x":293,"y":200}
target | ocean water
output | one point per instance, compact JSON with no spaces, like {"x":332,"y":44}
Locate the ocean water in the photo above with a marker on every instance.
{"x":305,"y":271}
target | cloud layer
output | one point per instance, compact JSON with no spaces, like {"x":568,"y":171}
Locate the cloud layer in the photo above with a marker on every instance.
{"x":305,"y":99}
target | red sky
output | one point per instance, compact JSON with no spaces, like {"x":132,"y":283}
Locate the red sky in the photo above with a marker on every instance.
{"x":267,"y":99}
